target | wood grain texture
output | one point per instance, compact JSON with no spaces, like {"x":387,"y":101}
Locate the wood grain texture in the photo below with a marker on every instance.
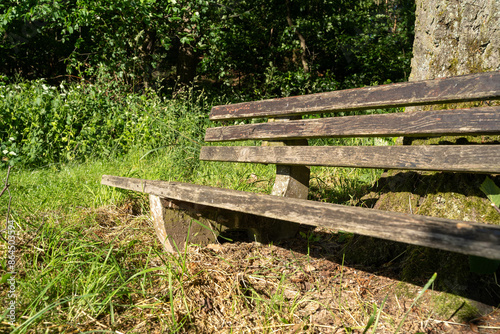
{"x":452,"y":235}
{"x":452,"y":158}
{"x":475,"y":121}
{"x":481,"y":86}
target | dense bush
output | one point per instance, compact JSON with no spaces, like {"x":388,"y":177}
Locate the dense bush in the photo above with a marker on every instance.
{"x":40,"y":124}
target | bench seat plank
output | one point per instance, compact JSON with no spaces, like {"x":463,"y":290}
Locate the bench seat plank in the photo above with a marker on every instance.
{"x":476,"y":121}
{"x":452,"y":235}
{"x":452,"y":158}
{"x":482,"y":86}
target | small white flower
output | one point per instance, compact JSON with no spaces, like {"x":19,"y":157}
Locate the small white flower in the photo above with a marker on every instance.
{"x":5,"y":151}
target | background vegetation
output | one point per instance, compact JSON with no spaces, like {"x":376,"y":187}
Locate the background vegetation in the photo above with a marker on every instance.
{"x":87,"y":79}
{"x":145,"y":42}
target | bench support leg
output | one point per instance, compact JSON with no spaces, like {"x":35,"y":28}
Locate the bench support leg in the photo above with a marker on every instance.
{"x":291,"y":181}
{"x":178,"y":222}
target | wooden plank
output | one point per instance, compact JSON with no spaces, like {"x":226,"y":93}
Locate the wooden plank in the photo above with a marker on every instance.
{"x":475,"y":121}
{"x":452,"y":158}
{"x":482,"y":86}
{"x":452,"y":235}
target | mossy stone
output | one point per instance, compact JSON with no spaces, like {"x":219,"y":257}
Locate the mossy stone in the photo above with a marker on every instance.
{"x":455,"y":307}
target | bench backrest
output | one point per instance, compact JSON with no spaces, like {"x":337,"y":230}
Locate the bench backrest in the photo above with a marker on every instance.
{"x":285,"y":127}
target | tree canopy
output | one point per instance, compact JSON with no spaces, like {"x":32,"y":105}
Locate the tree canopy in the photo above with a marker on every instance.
{"x":270,"y":48}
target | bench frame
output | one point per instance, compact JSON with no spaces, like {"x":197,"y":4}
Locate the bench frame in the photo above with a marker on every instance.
{"x":192,"y":213}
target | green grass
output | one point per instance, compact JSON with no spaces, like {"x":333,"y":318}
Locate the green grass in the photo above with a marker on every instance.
{"x":64,"y":187}
{"x":69,"y":270}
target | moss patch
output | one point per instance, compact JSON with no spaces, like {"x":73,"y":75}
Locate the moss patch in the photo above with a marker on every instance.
{"x":455,"y":307}
{"x":437,"y":194}
{"x":403,"y":290}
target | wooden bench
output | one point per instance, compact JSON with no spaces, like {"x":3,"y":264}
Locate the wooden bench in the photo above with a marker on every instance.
{"x":175,"y":206}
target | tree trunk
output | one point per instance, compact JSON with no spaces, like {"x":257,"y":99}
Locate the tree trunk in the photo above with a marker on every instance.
{"x":146,"y":51}
{"x":186,"y":64}
{"x":301,"y":38}
{"x":455,"y":37}
{"x":187,"y":59}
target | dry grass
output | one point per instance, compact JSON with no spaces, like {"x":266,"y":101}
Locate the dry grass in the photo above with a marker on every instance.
{"x":301,"y":286}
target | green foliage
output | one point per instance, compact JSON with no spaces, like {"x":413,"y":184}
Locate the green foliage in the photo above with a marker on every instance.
{"x":41,"y":124}
{"x":290,"y":83}
{"x":250,"y":46}
{"x":352,"y":42}
{"x":482,"y":265}
{"x":491,"y":190}
{"x":131,"y":39}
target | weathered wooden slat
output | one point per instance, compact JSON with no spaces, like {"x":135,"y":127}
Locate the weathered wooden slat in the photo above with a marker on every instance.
{"x":452,"y":235}
{"x":482,"y":86}
{"x":452,"y":158}
{"x":476,"y":121}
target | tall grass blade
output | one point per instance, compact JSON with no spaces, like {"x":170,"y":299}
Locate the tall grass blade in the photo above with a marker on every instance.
{"x":5,"y":278}
{"x":40,"y":313}
{"x":426,"y":286}
{"x":371,"y":320}
{"x":378,"y":314}
{"x":112,"y":294}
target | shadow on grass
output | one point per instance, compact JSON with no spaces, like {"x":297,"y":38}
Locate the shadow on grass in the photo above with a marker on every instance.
{"x":433,"y":194}
{"x":449,"y":195}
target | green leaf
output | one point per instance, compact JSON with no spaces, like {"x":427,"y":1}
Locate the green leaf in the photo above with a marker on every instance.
{"x":491,"y":190}
{"x":372,"y":319}
{"x":5,"y":278}
{"x":186,"y":40}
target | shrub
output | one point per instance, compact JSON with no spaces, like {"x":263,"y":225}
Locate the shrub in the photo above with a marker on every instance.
{"x":41,"y":124}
